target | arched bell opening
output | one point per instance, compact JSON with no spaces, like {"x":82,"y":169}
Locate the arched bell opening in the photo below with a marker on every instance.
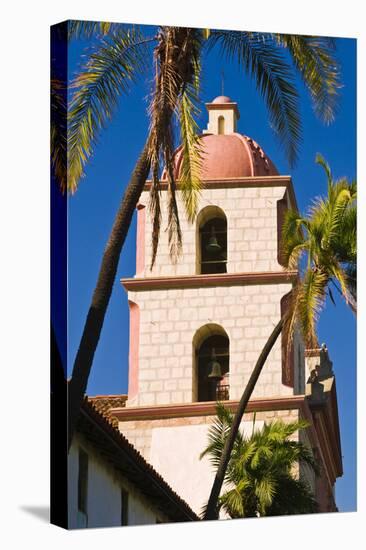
{"x":211,"y":347}
{"x":212,"y":241}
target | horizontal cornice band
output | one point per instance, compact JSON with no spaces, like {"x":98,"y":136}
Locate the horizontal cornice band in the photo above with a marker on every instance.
{"x":219,"y":279}
{"x":245,"y":181}
{"x":208,"y":408}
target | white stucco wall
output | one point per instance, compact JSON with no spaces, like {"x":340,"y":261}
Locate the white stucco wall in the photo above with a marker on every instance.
{"x":173,"y":447}
{"x":175,"y":454}
{"x":104,"y":492}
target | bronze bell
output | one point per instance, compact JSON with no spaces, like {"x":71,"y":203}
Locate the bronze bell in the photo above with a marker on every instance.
{"x":212,"y":245}
{"x":215,"y":367}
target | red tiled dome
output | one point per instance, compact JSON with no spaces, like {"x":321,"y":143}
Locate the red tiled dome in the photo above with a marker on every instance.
{"x":230,"y":156}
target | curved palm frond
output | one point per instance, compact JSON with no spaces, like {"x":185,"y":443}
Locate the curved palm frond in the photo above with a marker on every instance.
{"x":261,"y":59}
{"x":59,"y":132}
{"x":265,"y":491}
{"x":294,"y":241}
{"x":177,"y":65}
{"x":319,"y":159}
{"x":87,"y":29}
{"x":190,"y":168}
{"x":311,"y":302}
{"x":112,"y":67}
{"x":328,"y":237}
{"x":217,"y":434}
{"x":314,"y":58}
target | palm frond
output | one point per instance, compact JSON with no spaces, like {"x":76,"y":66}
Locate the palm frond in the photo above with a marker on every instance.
{"x":319,"y":159}
{"x":278,"y":431}
{"x":311,"y":300}
{"x":217,"y":434}
{"x":174,"y":230}
{"x":258,"y":465}
{"x":314,"y":58}
{"x":232,"y":501}
{"x":112,"y":67}
{"x":262,"y":60}
{"x":59,"y":132}
{"x":265,"y":491}
{"x":176,"y":62}
{"x":190,"y":168}
{"x":87,"y":29}
{"x":293,"y":242}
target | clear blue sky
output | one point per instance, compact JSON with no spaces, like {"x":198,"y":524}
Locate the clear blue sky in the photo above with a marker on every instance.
{"x":93,"y":207}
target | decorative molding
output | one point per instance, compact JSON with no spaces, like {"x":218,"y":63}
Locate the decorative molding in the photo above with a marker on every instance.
{"x":219,"y":279}
{"x":313,"y":352}
{"x":244,"y":182}
{"x":208,"y":408}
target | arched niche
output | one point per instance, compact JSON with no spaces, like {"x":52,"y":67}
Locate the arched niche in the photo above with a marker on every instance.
{"x":211,"y":241}
{"x":210,"y":343}
{"x":221,"y":124}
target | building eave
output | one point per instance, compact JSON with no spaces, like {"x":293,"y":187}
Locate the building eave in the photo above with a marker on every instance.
{"x":125,"y":458}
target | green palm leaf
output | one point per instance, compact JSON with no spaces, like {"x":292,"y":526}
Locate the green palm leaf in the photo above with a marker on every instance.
{"x":274,"y":79}
{"x":328,"y":237}
{"x":311,"y":302}
{"x":59,"y":132}
{"x":110,"y":70}
{"x":190,"y":168}
{"x":87,"y":29}
{"x":260,"y":467}
{"x":313,"y":57}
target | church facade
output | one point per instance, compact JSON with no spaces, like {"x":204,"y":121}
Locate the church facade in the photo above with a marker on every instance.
{"x":198,"y":326}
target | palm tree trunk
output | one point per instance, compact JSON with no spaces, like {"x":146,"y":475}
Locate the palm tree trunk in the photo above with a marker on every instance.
{"x":103,"y":290}
{"x":212,"y":510}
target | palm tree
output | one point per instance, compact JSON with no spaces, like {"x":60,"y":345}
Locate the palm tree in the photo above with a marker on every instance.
{"x":328,"y":238}
{"x":116,"y":61}
{"x":259,"y":478}
{"x":176,"y":57}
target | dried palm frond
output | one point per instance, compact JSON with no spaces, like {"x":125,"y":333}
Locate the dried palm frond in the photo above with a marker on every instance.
{"x":176,"y":59}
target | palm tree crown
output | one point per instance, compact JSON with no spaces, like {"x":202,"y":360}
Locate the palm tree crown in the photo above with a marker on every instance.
{"x":259,"y":478}
{"x":323,"y":247}
{"x":120,"y":56}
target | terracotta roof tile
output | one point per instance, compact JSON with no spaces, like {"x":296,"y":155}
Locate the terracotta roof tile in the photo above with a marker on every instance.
{"x":104,"y":403}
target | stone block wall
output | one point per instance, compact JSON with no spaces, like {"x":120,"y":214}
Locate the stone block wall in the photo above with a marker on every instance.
{"x":251,"y":231}
{"x":169,"y":320}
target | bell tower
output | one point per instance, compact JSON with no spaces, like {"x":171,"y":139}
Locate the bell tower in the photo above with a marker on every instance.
{"x":198,"y":327}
